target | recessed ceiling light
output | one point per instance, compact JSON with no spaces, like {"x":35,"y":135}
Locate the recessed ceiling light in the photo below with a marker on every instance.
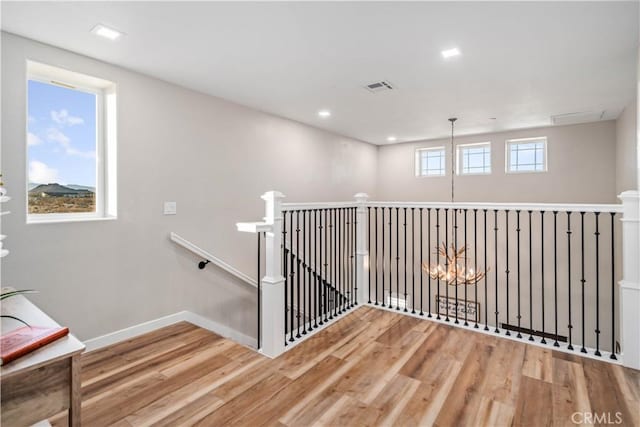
{"x":392,"y":139}
{"x":450,"y":52}
{"x":324,"y":113}
{"x":106,"y":32}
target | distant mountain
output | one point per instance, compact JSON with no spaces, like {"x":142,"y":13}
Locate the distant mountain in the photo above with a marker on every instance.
{"x":81,"y":187}
{"x":56,"y":189}
{"x":33,"y":185}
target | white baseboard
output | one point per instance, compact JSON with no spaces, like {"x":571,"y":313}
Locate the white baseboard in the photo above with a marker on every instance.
{"x":219,"y":329}
{"x":152,"y":325}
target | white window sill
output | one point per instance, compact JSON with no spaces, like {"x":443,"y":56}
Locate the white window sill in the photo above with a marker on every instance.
{"x":63,"y":219}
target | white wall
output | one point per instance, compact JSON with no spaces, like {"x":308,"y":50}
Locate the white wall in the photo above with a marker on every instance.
{"x":213,"y":157}
{"x":626,"y":150}
{"x":581,"y":164}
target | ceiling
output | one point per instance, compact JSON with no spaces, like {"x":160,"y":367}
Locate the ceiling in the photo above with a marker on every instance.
{"x":520,"y":64}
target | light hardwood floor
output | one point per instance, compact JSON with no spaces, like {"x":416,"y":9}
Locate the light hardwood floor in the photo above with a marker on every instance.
{"x":373,"y":367}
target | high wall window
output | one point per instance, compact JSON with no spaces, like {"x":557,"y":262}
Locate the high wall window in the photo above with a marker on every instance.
{"x":474,"y":159}
{"x":527,"y":155}
{"x":70,"y":140}
{"x":430,"y":161}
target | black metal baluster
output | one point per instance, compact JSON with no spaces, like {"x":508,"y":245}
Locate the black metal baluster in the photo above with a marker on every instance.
{"x":321,"y":268}
{"x":345,"y":255}
{"x":405,"y":259}
{"x":422,"y":261}
{"x":369,"y":246}
{"x":349,"y":270}
{"x":354,"y":237}
{"x":347,"y":259}
{"x":397,"y":258}
{"x":495,"y":239}
{"x":298,"y":272}
{"x":341,"y":288}
{"x":446,"y":262}
{"x":555,"y":277}
{"x":597,"y":331}
{"x":331,"y":264}
{"x":438,"y":259}
{"x":570,"y":326}
{"x":326,"y":269}
{"x":382,"y":227}
{"x":336,"y":260}
{"x":466,"y":300}
{"x":455,"y":260}
{"x":310,"y":265}
{"x":375,"y":214}
{"x":285,"y":272}
{"x":519,"y":335}
{"x":506,"y":233}
{"x":530,"y":279}
{"x":292,"y":275}
{"x":475,"y":266}
{"x":305,"y":271}
{"x":382,"y":253}
{"x":543,"y":341}
{"x":413,"y":263}
{"x":318,"y":267}
{"x":613,"y":288}
{"x":390,"y":256}
{"x":582,"y":280}
{"x":486,"y":295}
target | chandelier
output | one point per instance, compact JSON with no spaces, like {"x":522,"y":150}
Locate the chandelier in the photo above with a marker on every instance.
{"x":452,"y":272}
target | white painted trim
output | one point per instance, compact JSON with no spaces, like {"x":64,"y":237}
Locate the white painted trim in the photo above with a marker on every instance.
{"x":563,"y":346}
{"x":220,"y":329}
{"x":253,"y":227}
{"x":560,"y":207}
{"x":214,"y":260}
{"x":133,"y":331}
{"x":316,"y":205}
{"x":152,"y":325}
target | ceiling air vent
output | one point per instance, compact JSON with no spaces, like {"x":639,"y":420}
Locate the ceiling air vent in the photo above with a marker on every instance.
{"x":379,"y":86}
{"x":574,"y":118}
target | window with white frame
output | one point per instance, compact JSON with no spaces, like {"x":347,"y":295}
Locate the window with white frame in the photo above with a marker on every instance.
{"x":430,"y":161}
{"x":527,"y":155}
{"x":71,"y":145}
{"x":474,"y":159}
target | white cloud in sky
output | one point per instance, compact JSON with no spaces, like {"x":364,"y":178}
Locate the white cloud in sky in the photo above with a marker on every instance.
{"x":62,"y":117}
{"x":41,"y":173}
{"x":33,"y":139}
{"x":55,"y":135}
{"x":32,"y":119}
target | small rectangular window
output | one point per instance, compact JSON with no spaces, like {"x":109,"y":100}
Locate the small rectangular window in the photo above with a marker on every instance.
{"x":527,"y":155}
{"x":430,"y":161}
{"x":474,"y":159}
{"x":70,"y":145}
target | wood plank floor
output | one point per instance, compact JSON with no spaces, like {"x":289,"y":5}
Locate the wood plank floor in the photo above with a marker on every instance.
{"x":372,"y":367}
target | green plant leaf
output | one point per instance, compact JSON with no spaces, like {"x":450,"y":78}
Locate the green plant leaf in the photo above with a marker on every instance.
{"x":12,"y":293}
{"x":15,"y":318}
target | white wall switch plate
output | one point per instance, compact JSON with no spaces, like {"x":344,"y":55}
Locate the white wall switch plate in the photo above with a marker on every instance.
{"x":170,"y":208}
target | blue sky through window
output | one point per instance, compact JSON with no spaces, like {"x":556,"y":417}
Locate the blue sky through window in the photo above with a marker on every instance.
{"x":61,"y":135}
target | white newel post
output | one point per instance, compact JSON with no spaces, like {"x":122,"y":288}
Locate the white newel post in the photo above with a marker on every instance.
{"x":273,"y":281}
{"x":362,"y":252}
{"x":630,"y":283}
